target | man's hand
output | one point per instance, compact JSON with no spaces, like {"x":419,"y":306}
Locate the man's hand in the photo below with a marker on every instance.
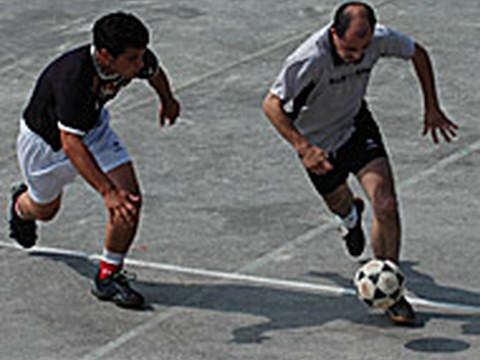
{"x":315,"y":159}
{"x":435,"y":120}
{"x":121,"y":204}
{"x":169,"y":109}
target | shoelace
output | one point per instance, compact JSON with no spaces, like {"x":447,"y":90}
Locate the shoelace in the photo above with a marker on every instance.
{"x":124,"y":276}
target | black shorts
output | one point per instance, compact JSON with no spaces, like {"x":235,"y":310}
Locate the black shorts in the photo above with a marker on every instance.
{"x":364,"y":145}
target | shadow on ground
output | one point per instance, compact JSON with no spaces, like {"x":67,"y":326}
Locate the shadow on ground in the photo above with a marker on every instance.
{"x":283,"y":309}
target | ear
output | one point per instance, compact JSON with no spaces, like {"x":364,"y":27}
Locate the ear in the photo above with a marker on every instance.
{"x":334,"y":34}
{"x":333,"y":31}
{"x":104,"y":56}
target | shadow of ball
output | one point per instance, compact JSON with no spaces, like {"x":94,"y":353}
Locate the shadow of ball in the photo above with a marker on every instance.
{"x":437,"y":345}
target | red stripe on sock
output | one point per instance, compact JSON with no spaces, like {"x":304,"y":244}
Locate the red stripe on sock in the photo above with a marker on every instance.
{"x":107,"y":269}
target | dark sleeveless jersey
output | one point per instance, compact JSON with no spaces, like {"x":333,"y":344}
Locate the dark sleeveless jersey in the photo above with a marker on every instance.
{"x":70,"y":94}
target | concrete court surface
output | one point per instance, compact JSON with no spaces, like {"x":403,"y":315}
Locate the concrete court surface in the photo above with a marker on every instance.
{"x":223,"y":193}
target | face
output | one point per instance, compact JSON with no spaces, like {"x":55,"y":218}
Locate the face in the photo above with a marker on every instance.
{"x":354,"y":42}
{"x":128,"y":63}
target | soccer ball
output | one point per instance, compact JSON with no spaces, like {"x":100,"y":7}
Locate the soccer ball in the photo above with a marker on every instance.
{"x":379,"y":283}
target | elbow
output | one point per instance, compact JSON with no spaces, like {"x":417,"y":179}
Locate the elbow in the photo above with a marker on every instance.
{"x":68,"y":142}
{"x":419,"y":53}
{"x":270,"y":103}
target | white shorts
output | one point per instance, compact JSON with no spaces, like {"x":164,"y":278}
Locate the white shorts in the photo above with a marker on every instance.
{"x":46,"y":172}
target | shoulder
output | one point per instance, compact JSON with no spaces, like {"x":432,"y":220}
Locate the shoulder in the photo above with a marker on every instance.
{"x":313,"y":53}
{"x":388,"y":41}
{"x":150,"y":66}
{"x":72,"y":65}
{"x":74,"y":58}
{"x":384,"y":33}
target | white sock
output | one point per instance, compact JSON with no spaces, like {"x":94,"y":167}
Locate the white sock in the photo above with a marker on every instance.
{"x":351,"y":219}
{"x":112,"y":257}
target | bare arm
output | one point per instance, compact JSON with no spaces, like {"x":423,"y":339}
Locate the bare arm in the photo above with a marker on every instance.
{"x":170,"y":107}
{"x":435,"y":119}
{"x":313,"y":157}
{"x":117,"y":201}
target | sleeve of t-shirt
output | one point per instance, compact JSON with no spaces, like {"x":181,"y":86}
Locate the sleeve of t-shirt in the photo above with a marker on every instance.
{"x":74,"y":103}
{"x":393,"y":43}
{"x":295,"y":76}
{"x":150,"y":66}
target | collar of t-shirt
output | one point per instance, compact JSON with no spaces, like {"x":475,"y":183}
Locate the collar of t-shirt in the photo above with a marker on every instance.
{"x":98,"y":69}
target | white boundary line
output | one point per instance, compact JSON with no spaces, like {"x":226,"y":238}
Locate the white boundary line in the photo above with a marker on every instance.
{"x":236,"y":276}
{"x":457,"y":155}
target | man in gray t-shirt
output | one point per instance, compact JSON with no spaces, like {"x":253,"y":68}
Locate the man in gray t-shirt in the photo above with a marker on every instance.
{"x":317,"y":104}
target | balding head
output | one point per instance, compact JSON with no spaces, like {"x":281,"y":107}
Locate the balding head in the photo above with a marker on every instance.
{"x":352,"y":30}
{"x":355,"y":16}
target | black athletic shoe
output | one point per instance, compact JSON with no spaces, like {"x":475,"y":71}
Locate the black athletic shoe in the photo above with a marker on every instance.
{"x":355,"y":238}
{"x":401,"y":313}
{"x":23,"y":231}
{"x":116,"y":288}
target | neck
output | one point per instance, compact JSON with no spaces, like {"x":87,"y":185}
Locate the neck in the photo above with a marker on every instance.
{"x":103,"y":70}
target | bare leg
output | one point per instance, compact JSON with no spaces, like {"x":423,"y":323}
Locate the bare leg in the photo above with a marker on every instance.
{"x":32,"y":211}
{"x":377,"y":181}
{"x":119,"y":235}
{"x":340,"y":200}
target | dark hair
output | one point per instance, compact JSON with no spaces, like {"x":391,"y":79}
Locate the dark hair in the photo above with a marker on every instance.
{"x":342,"y":18}
{"x":118,"y":31}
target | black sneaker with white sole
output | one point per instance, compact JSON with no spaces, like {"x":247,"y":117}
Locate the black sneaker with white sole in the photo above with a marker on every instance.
{"x":23,"y":231}
{"x":116,"y":288}
{"x":355,"y":238}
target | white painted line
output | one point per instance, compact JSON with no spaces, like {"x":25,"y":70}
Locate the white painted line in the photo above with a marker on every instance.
{"x":132,"y":334}
{"x":244,"y":278}
{"x":290,"y":246}
{"x":235,"y":276}
{"x":440,"y":164}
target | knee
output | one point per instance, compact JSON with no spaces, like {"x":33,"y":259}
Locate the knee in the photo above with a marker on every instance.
{"x":385,"y":207}
{"x":339,"y":201}
{"x":133,"y":217}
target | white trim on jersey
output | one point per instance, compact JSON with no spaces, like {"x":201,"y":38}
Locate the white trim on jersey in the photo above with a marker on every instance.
{"x":70,"y":130}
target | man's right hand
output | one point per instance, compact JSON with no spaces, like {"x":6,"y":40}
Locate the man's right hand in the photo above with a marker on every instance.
{"x":315,"y":159}
{"x":122,"y":205}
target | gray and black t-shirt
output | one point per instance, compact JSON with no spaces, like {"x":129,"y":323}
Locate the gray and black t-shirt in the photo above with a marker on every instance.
{"x":322,"y":93}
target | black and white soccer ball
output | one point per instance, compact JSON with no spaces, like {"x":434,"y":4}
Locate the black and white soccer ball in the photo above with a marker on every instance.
{"x":379,"y":283}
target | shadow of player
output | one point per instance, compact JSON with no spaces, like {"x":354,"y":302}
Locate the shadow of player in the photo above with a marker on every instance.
{"x":282,"y":309}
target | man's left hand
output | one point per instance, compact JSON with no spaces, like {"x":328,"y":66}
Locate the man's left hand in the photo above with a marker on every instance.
{"x":435,"y":120}
{"x":169,"y":109}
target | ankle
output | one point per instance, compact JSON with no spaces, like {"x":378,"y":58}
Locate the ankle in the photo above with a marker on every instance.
{"x":107,"y":269}
{"x":111,"y":263}
{"x":351,"y":219}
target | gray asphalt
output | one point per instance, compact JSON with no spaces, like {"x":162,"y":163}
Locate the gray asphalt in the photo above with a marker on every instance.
{"x":223,"y":192}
